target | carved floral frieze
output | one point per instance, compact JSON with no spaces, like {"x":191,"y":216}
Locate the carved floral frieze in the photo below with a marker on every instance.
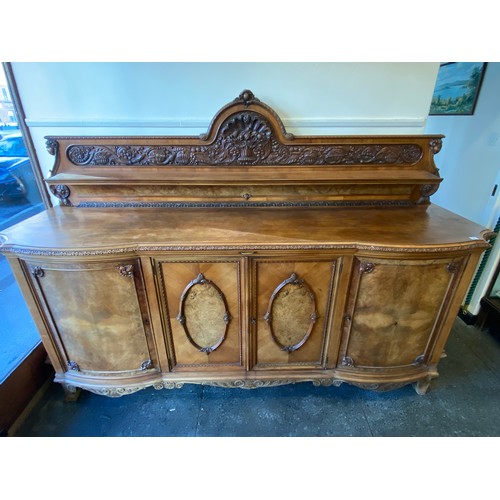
{"x":245,"y":138}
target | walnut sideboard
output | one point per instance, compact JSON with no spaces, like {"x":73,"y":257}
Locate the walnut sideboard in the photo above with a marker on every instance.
{"x":245,"y":257}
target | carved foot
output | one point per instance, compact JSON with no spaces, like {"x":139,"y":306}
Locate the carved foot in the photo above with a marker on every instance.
{"x":421,"y":386}
{"x":71,"y":393}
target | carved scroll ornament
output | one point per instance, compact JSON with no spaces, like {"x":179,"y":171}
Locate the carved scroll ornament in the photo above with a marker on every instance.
{"x":347,"y":361}
{"x":366,"y":267}
{"x":73,"y":365}
{"x":52,"y":146}
{"x":37,"y":272}
{"x":127,"y":271}
{"x":146,"y":365}
{"x":61,"y":192}
{"x":435,"y":145}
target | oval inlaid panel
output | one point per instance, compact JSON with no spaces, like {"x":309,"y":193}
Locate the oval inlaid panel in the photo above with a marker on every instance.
{"x":291,"y":313}
{"x":203,"y":314}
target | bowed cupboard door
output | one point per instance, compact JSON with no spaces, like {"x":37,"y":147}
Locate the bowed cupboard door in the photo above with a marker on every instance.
{"x":396,"y":310}
{"x":96,"y":314}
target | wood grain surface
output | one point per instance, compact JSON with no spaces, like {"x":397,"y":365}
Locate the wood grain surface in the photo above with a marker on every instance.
{"x":143,"y":229}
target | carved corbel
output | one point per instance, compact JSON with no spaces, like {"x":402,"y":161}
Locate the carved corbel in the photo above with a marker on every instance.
{"x":435,"y":146}
{"x":62,"y":192}
{"x":426,"y":191}
{"x":52,"y":146}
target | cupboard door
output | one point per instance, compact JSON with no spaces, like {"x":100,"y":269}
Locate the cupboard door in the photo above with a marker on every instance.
{"x":291,"y":312}
{"x":97,"y":314}
{"x":395,"y":311}
{"x":201,"y":305}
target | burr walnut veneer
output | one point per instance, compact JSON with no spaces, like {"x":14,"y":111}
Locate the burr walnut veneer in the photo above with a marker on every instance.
{"x":246,"y":257}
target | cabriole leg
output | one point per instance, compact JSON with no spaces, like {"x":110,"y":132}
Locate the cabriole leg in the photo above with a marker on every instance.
{"x":421,"y":386}
{"x":71,"y":393}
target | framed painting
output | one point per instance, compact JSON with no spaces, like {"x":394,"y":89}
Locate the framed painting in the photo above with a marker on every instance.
{"x":457,"y":88}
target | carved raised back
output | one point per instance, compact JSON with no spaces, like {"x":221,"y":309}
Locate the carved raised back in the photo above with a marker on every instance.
{"x":246,"y":158}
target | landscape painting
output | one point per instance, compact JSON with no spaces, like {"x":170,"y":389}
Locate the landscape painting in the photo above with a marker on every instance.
{"x":457,"y":88}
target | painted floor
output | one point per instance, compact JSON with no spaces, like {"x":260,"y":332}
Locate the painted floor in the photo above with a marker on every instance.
{"x":463,"y":401}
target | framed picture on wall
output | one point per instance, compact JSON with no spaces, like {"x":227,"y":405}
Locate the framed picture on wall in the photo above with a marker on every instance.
{"x":457,"y":88}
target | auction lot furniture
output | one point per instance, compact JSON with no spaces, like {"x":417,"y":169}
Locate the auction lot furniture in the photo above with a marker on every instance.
{"x":245,"y":257}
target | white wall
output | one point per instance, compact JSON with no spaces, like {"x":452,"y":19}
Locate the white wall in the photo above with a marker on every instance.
{"x":181,"y":98}
{"x":469,"y":163}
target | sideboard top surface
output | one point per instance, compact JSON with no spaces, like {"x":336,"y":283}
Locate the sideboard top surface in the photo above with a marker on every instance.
{"x":130,"y":229}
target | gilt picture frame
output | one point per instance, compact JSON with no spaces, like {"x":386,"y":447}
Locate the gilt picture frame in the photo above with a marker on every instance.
{"x":457,"y":88}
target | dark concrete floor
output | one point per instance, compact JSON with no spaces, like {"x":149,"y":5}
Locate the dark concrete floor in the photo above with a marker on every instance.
{"x":463,"y":401}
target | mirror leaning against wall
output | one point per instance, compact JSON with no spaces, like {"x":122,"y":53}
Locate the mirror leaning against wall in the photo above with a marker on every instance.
{"x":20,"y":198}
